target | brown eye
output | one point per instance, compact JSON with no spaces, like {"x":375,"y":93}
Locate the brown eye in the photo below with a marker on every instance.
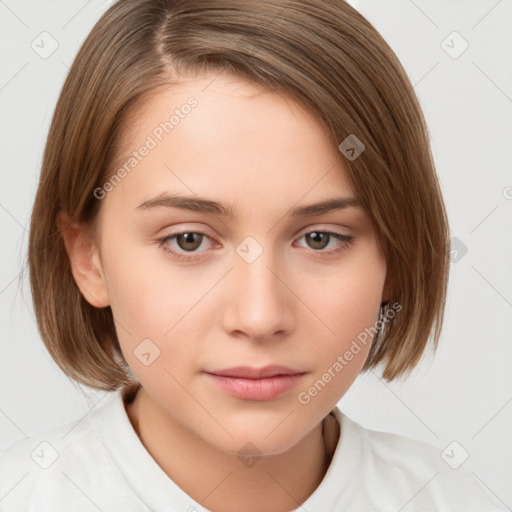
{"x":189,"y":241}
{"x":318,"y":239}
{"x":320,"y":242}
{"x":185,"y":245}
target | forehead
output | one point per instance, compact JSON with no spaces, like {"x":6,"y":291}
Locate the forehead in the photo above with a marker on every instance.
{"x":222,"y":137}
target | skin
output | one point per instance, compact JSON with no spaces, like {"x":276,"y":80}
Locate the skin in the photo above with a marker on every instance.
{"x":294,"y":305}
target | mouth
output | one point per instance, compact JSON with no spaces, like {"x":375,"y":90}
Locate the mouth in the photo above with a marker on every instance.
{"x":259,"y":384}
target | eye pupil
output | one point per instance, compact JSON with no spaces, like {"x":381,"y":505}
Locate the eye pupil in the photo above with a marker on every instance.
{"x":188,"y":239}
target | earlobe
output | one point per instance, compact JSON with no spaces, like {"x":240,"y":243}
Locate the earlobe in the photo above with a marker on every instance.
{"x":84,"y":260}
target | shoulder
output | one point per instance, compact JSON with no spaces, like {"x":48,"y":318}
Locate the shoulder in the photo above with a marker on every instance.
{"x":415,"y":474}
{"x":62,"y":469}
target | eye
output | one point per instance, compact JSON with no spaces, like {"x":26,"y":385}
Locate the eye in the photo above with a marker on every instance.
{"x":187,"y":241}
{"x":319,"y":240}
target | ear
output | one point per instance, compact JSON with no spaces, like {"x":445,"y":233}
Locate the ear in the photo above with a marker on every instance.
{"x":84,"y":260}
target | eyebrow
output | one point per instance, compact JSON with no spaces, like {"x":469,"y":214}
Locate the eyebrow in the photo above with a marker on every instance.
{"x":198,"y":204}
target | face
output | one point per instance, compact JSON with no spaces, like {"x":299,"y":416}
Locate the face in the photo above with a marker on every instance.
{"x":194,"y":292}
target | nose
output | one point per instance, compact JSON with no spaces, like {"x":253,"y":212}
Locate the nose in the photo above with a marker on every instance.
{"x":259,"y":303}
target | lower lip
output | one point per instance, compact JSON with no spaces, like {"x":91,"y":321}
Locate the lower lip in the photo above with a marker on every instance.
{"x":256,"y":389}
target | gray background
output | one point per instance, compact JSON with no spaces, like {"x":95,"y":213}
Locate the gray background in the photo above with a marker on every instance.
{"x":464,"y":393}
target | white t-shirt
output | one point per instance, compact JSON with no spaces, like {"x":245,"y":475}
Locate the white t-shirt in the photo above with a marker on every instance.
{"x":100,"y":464}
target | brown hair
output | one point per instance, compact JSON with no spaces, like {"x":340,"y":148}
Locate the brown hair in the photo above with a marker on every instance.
{"x":322,"y":53}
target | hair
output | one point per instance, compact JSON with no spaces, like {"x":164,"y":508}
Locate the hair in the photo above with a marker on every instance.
{"x":322,"y":53}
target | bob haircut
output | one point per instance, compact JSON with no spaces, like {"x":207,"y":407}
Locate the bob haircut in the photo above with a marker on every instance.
{"x":322,"y":53}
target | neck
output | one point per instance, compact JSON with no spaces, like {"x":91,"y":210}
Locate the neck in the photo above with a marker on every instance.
{"x":218,"y":480}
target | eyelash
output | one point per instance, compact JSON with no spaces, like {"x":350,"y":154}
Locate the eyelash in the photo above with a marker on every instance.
{"x":162,"y":243}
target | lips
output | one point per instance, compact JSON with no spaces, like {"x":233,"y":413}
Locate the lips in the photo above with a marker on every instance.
{"x":259,"y":384}
{"x":250,"y":372}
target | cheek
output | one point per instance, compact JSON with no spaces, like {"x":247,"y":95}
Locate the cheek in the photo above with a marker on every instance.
{"x":350,"y":299}
{"x":148,"y":295}
{"x":160,"y":312}
{"x":348,"y":306}
{"x":339,"y":355}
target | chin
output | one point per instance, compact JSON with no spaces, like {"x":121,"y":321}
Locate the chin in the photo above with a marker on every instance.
{"x":258,"y":442}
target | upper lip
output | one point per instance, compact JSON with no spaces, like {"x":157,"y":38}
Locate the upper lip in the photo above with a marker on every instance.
{"x":250,"y":372}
